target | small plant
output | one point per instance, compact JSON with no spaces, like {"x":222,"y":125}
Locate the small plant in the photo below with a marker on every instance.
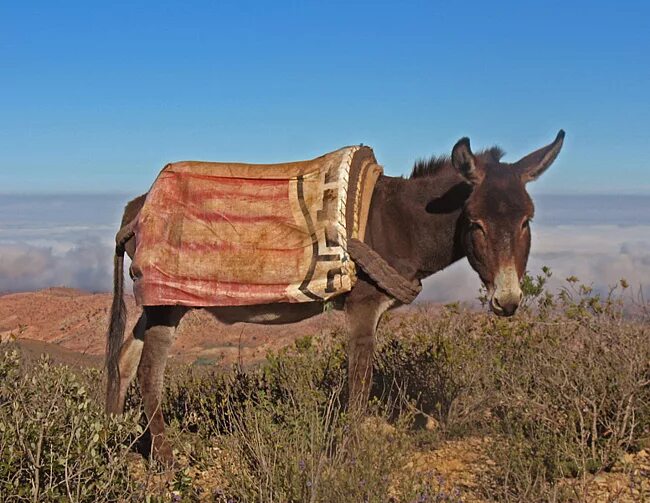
{"x":436,"y":362}
{"x":301,"y":445}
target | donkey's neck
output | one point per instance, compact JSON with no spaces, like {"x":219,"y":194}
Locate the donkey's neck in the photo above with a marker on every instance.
{"x":414,"y":235}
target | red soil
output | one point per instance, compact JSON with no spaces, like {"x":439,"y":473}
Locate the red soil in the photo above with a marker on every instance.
{"x":66,"y":322}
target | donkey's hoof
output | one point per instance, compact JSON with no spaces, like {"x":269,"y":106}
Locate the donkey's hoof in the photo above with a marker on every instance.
{"x":161,"y":452}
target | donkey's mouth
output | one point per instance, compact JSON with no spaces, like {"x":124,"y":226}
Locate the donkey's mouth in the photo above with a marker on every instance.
{"x":499,"y":310}
{"x":505,"y":305}
{"x":506,"y":294}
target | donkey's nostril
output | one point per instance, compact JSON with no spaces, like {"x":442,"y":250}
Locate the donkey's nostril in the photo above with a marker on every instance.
{"x":509,"y":308}
{"x":505,"y":308}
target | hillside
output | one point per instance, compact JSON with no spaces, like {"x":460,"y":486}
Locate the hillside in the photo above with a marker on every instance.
{"x":67,"y":322}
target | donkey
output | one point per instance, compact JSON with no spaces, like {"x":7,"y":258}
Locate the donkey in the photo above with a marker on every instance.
{"x":466,"y":205}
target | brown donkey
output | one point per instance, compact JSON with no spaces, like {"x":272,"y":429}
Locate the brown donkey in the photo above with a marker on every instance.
{"x":465,"y":205}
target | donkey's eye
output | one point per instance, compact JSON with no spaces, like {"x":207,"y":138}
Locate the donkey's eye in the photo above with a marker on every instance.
{"x":475,"y":226}
{"x":526,"y":223}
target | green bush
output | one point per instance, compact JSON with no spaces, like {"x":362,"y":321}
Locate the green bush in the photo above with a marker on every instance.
{"x":207,"y":401}
{"x":55,"y":441}
{"x":306,"y":448}
{"x":573,"y":393}
{"x":283,"y":432}
{"x":438,"y":362}
{"x":564,"y":386}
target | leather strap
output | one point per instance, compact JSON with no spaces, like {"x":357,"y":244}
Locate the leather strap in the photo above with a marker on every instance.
{"x":382,"y":273}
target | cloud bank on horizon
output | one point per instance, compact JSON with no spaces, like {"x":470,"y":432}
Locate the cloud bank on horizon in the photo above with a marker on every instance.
{"x":59,"y":241}
{"x":600,"y":255}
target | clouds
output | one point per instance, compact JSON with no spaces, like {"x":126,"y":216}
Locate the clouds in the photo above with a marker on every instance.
{"x":68,"y":241}
{"x":57,"y":240}
{"x":87,"y":266}
{"x":597,"y":255}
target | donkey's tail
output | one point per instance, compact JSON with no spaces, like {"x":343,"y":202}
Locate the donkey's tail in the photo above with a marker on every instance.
{"x":117,"y":322}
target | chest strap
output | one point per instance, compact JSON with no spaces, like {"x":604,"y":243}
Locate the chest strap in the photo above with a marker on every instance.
{"x":382,"y":273}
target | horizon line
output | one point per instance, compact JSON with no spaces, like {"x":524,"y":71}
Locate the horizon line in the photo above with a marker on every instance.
{"x":137,"y":192}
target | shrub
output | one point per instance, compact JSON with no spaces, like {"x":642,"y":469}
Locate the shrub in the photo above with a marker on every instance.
{"x":55,"y":442}
{"x":296,"y":443}
{"x":439,"y":362}
{"x":573,"y":393}
{"x":563,"y":389}
{"x":283,"y":433}
{"x":207,"y":401}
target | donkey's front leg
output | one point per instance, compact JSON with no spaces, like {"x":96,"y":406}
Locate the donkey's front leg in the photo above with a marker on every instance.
{"x":364,"y":307}
{"x":158,"y":337}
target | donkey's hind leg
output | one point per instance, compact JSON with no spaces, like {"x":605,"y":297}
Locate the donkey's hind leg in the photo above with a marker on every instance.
{"x":130,"y":353}
{"x":161,"y":323}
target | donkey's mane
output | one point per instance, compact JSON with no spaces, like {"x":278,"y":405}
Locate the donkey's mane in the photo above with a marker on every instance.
{"x":430,"y":166}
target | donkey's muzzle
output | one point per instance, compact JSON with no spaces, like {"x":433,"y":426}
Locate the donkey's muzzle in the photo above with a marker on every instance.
{"x":507,"y":292}
{"x":505,"y":308}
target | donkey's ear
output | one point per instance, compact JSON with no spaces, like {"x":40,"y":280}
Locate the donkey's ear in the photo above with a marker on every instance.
{"x":533,"y":165}
{"x":465,"y":163}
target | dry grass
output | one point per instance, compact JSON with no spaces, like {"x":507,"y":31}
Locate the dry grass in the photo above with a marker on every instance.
{"x":552,"y":405}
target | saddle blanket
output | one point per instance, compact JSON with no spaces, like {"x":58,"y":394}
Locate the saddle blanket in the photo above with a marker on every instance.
{"x":228,"y":234}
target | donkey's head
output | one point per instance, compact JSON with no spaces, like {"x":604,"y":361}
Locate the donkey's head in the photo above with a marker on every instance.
{"x":495,"y":224}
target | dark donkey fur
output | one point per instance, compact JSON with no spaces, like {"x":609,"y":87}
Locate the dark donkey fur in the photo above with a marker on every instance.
{"x":451,"y":207}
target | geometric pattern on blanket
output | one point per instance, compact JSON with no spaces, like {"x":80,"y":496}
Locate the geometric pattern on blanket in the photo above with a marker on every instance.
{"x":229,"y":234}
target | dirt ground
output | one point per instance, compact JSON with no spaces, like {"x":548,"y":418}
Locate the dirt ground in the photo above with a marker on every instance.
{"x":71,"y":326}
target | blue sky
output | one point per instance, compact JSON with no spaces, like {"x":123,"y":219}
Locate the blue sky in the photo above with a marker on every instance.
{"x":97,"y":96}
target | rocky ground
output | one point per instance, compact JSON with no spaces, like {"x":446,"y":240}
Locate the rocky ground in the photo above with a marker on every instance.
{"x":465,"y":465}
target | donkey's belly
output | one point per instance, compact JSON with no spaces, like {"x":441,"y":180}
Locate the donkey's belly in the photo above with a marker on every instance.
{"x":271,"y":314}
